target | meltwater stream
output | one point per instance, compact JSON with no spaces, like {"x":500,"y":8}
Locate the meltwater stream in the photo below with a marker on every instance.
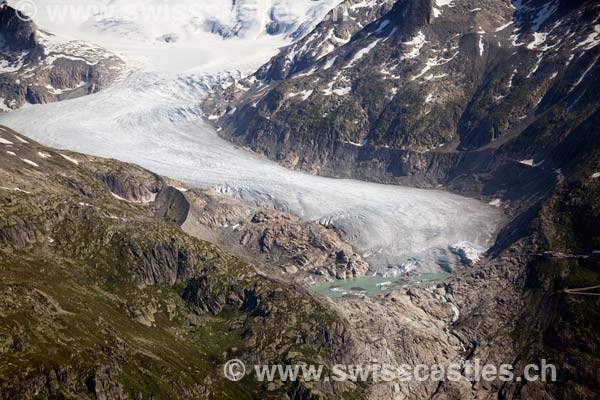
{"x":153,"y":119}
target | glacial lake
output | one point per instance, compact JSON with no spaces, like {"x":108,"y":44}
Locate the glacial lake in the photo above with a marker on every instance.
{"x":376,"y":285}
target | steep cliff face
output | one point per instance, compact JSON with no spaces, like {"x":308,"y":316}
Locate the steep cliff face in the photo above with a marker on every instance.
{"x":425,"y":92}
{"x":39,"y":67}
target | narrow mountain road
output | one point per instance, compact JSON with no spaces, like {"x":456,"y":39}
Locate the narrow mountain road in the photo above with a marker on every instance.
{"x":582,"y":291}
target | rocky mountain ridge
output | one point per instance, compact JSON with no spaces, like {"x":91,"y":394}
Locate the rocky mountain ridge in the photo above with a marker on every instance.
{"x":280,"y":243}
{"x":40,"y":67}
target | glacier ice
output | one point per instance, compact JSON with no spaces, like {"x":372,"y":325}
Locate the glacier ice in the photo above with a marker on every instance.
{"x":151,"y":117}
{"x":154,"y":121}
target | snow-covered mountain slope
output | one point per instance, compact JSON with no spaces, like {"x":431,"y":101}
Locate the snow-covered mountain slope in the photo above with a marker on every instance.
{"x":152,"y":19}
{"x":40,"y":67}
{"x":183,"y":35}
{"x":334,"y":32}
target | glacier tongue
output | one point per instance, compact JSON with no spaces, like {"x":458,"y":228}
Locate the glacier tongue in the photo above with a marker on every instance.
{"x":154,"y":120}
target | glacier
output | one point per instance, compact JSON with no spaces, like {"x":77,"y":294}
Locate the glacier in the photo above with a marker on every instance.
{"x":151,"y":117}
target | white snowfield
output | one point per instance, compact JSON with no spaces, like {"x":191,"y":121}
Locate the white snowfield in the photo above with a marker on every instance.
{"x":185,"y":35}
{"x":152,"y":118}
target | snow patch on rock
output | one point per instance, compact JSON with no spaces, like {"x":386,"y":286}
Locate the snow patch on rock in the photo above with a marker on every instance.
{"x":416,"y":44}
{"x":70,"y":159}
{"x":30,"y":162}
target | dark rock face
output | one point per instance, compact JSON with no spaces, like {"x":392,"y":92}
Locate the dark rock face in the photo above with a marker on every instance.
{"x":337,"y":28}
{"x":18,"y":35}
{"x":415,"y":93}
{"x":172,"y":205}
{"x":37,"y":67}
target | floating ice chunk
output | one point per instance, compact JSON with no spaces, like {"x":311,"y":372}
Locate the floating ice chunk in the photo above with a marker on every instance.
{"x":531,"y":163}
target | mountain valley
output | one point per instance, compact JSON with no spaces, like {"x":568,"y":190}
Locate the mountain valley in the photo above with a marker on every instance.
{"x":172,"y":191}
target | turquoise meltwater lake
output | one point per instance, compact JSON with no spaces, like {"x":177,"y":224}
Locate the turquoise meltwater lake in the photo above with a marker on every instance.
{"x":376,"y":285}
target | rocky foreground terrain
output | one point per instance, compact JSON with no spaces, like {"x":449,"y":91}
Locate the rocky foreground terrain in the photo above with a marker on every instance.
{"x":284,"y":244}
{"x":40,"y":67}
{"x":101,"y":298}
